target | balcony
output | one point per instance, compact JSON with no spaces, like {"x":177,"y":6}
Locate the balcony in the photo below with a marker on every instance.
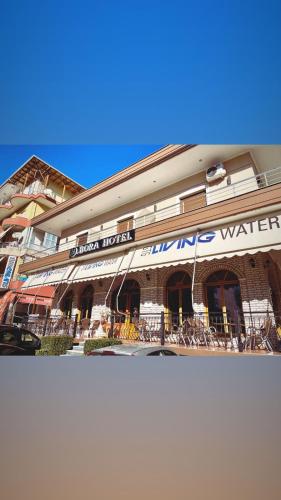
{"x":263,"y":190}
{"x":19,"y":198}
{"x":10,"y":248}
{"x":18,"y":223}
{"x":29,"y":191}
{"x":22,"y":250}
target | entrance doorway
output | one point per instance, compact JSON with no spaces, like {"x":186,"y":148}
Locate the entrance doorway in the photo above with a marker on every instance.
{"x":224,"y":301}
{"x":129,"y":298}
{"x":86,"y":302}
{"x":179,"y":302}
{"x":67,"y":305}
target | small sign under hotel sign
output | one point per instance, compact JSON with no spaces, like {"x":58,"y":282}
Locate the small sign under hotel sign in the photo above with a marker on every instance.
{"x":107,"y":242}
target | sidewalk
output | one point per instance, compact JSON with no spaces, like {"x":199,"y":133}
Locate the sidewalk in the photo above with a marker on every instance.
{"x":212,"y":351}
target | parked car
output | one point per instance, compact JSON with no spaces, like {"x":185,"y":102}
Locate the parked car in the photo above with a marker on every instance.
{"x":133,"y":350}
{"x":15,"y":341}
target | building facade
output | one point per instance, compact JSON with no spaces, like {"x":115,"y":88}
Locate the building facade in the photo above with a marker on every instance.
{"x":33,"y":189}
{"x":189,"y":229}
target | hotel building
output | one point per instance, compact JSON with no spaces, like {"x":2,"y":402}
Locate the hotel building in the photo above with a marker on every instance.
{"x":188,"y":229}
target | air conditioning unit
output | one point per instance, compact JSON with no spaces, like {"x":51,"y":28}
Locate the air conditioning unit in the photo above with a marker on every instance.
{"x":215,"y":172}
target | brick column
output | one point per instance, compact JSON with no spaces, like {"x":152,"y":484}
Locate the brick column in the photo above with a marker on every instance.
{"x":198,"y":297}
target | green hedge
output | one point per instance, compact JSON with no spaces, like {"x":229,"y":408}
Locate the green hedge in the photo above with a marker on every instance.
{"x":56,"y":344}
{"x":91,"y":344}
{"x":42,"y":352}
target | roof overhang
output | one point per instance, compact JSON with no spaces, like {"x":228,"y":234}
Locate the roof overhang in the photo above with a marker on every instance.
{"x":159,"y":170}
{"x":30,"y":167}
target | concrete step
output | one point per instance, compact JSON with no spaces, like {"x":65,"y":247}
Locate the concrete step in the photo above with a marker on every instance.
{"x":76,"y":351}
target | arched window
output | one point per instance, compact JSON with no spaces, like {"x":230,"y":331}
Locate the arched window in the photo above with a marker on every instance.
{"x":86,"y":302}
{"x":223,"y":296}
{"x":67,"y":304}
{"x":129,"y":297}
{"x":178,"y":296}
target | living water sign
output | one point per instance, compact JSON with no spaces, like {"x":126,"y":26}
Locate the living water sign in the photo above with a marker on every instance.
{"x":8,"y":273}
{"x":238,"y":239}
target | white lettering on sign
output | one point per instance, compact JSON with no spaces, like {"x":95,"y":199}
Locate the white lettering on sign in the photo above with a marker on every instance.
{"x":227,"y":239}
{"x":109,"y":241}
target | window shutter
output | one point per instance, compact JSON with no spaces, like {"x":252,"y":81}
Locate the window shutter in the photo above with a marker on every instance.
{"x":82,"y":239}
{"x":193,"y":201}
{"x":125,"y":225}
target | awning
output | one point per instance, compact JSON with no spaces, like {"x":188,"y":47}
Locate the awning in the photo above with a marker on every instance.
{"x":97,"y":268}
{"x":30,"y":295}
{"x":50,"y":277}
{"x":249,"y":237}
{"x":32,"y":299}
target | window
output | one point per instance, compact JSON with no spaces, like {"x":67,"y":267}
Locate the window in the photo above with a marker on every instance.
{"x":50,"y":240}
{"x":193,"y":201}
{"x":125,"y":224}
{"x":8,"y":337}
{"x":82,"y":239}
{"x":163,"y":352}
{"x":27,"y":338}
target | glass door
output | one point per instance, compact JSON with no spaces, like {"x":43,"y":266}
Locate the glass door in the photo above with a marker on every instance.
{"x":224,"y":301}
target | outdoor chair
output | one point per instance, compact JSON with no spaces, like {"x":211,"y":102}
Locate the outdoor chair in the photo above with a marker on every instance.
{"x":258,"y":338}
{"x":196,"y":333}
{"x":193,"y":331}
{"x":59,"y":325}
{"x":143,"y":330}
{"x":116,"y":330}
{"x":85,"y":327}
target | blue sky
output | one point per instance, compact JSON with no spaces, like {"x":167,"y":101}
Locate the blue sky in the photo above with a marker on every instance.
{"x":84,"y":164}
{"x":108,"y":72}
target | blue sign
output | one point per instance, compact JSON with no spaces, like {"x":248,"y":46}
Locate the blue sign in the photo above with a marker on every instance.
{"x":8,"y":271}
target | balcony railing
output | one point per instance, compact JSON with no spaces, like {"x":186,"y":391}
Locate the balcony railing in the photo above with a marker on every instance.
{"x":9,"y":244}
{"x":243,"y":331}
{"x":28,"y":249}
{"x":213,"y":196}
{"x":31,"y":191}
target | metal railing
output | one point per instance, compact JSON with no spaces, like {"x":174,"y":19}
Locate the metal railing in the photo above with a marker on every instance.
{"x":241,"y":331}
{"x":29,"y":248}
{"x":6,"y":201}
{"x":7,"y":244}
{"x":213,"y":196}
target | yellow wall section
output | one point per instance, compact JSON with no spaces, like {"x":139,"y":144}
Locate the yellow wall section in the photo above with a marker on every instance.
{"x":58,"y":190}
{"x":31,"y":210}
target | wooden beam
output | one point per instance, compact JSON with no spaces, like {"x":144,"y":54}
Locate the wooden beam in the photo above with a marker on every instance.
{"x":25,"y":180}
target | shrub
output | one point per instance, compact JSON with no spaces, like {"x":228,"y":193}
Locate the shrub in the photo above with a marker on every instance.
{"x":56,"y":344}
{"x":91,"y":344}
{"x":42,"y":352}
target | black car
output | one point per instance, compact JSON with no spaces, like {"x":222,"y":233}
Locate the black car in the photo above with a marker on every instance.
{"x":15,"y":341}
